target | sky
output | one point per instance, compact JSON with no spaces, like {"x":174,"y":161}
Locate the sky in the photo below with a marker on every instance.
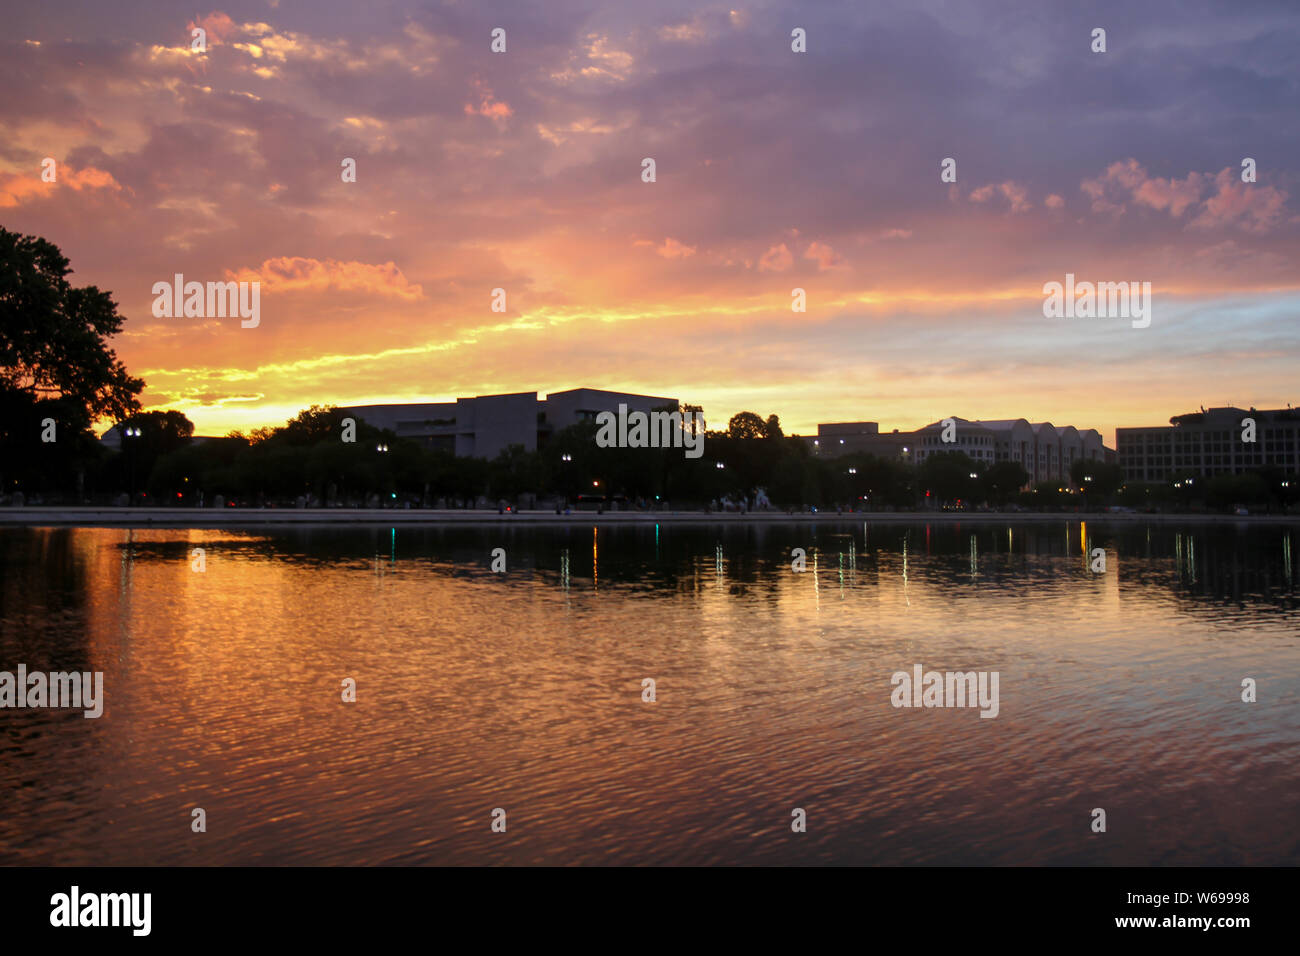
{"x":775,"y":170}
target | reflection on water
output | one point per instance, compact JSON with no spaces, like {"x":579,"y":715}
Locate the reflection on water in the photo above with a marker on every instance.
{"x":523,"y":691}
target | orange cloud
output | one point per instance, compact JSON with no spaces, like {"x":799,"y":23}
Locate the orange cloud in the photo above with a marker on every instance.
{"x":825,"y":256}
{"x":299,"y":274}
{"x":776,"y":259}
{"x":488,"y":105}
{"x":16,"y":188}
{"x":672,"y":249}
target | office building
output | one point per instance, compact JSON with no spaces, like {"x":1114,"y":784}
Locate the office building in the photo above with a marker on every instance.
{"x":1209,"y":442}
{"x":483,"y":426}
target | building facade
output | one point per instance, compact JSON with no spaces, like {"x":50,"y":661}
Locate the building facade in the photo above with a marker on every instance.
{"x":849,"y":438}
{"x":1210,"y":442}
{"x":485,"y":425}
{"x":1046,"y":451}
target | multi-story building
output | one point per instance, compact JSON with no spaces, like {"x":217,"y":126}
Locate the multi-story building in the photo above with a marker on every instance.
{"x":483,"y":426}
{"x":847,"y":438}
{"x":1210,"y":442}
{"x":1046,"y":451}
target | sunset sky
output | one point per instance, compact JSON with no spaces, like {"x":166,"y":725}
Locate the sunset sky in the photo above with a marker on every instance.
{"x":775,"y":170}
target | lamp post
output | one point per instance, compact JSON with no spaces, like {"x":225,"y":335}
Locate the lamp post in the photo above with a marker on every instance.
{"x":566,"y":480}
{"x":382,"y":449}
{"x":131,"y":432}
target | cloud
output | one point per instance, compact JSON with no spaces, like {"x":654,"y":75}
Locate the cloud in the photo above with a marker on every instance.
{"x":1014,"y":193}
{"x":690,"y":32}
{"x":16,"y":188}
{"x":298,"y":274}
{"x":672,"y":249}
{"x":218,"y":26}
{"x":488,"y":105}
{"x":1249,"y":206}
{"x":1218,"y":200}
{"x":824,"y":255}
{"x":776,"y":259}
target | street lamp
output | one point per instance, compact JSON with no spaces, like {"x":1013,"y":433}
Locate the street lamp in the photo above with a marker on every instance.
{"x":132,"y":432}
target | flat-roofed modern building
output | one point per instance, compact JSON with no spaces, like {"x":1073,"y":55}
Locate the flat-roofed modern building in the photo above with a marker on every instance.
{"x":848,"y":438}
{"x":485,"y":425}
{"x":1209,"y":442}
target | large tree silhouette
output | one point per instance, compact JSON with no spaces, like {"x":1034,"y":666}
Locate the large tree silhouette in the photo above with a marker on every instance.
{"x":55,"y":367}
{"x":53,"y":336}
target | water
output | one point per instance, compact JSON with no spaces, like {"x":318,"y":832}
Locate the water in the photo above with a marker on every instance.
{"x":523,"y":691}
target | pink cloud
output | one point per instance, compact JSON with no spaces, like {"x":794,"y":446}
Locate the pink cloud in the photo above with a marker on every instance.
{"x":218,"y":26}
{"x":1012,"y":192}
{"x":1251,"y":207}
